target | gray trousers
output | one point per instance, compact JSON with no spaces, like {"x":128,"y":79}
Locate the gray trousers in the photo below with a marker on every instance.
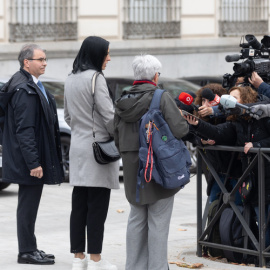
{"x":147,"y":235}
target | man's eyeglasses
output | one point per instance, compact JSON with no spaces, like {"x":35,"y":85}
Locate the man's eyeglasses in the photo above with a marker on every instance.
{"x":41,"y":60}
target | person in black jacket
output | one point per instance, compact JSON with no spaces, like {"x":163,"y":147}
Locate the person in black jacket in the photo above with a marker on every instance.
{"x":247,"y":132}
{"x":31,"y":146}
{"x":219,"y":160}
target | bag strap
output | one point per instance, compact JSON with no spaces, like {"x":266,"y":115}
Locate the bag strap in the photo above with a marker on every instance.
{"x":149,"y":153}
{"x":155,"y":103}
{"x":94,"y":78}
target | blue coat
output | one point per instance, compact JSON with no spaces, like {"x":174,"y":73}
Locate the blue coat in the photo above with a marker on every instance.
{"x":31,"y":135}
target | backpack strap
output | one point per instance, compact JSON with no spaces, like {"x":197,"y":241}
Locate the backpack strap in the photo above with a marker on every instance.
{"x":149,"y":154}
{"x":155,"y":103}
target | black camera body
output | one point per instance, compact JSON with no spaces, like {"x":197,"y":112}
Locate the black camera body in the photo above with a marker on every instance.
{"x":257,"y":59}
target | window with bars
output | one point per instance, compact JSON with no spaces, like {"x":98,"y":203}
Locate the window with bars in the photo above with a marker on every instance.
{"x":241,"y":17}
{"x":32,"y":20}
{"x":151,"y":18}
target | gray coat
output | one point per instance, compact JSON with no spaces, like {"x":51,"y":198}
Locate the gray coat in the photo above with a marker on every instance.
{"x":129,"y":110}
{"x":84,"y":170}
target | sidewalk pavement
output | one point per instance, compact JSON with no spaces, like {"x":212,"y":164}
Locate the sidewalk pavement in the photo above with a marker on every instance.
{"x":52,"y":229}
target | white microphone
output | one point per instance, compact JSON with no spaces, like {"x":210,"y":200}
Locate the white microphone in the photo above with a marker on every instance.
{"x":229,"y":102}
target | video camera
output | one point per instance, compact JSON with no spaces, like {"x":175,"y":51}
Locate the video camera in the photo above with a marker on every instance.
{"x":257,"y":55}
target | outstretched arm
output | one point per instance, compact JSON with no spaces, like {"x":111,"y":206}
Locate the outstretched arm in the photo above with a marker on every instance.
{"x":265,"y":108}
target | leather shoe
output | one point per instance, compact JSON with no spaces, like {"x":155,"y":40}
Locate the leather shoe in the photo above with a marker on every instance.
{"x":45,"y":255}
{"x":33,"y":258}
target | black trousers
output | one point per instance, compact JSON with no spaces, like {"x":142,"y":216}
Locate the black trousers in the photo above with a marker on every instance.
{"x":28,"y":203}
{"x":89,"y":211}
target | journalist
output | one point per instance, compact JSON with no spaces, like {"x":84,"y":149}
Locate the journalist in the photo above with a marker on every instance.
{"x":247,"y":132}
{"x":149,"y":220}
{"x":206,"y":106}
{"x":219,"y":160}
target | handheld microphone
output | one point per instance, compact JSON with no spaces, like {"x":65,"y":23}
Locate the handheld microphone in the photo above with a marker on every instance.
{"x":214,"y":99}
{"x":187,"y":99}
{"x":232,"y":58}
{"x":230,"y":102}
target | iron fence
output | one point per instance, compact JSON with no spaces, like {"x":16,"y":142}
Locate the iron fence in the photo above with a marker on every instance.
{"x":151,"y":18}
{"x":31,"y":20}
{"x":260,"y":251}
{"x":239,"y":17}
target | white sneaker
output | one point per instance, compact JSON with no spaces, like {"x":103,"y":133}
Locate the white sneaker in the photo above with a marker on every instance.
{"x":101,"y":265}
{"x":79,"y":264}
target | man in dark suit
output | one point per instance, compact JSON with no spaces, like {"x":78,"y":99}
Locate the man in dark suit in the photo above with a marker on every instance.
{"x":31,"y":146}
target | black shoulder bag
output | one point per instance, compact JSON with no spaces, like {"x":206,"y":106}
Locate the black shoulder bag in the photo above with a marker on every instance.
{"x":104,"y":152}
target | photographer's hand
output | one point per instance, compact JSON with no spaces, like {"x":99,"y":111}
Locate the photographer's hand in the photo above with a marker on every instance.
{"x":239,"y":81}
{"x":255,"y":79}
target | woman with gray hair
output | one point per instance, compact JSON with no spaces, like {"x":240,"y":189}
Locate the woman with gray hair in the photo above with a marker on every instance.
{"x":149,"y":220}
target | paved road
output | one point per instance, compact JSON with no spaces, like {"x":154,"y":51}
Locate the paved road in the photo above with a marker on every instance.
{"x":52,"y":229}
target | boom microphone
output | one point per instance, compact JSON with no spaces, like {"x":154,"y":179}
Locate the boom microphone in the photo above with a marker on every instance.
{"x":232,"y":58}
{"x":214,"y":99}
{"x":187,"y":99}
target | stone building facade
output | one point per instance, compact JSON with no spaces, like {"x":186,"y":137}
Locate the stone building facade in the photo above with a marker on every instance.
{"x":189,"y":37}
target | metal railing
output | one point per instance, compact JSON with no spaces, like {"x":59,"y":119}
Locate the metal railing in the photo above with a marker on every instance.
{"x":237,"y":17}
{"x":32,"y":20}
{"x":151,"y":18}
{"x":260,"y":251}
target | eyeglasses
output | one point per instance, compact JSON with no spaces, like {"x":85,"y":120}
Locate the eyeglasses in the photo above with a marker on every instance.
{"x":41,"y":60}
{"x":158,"y":74}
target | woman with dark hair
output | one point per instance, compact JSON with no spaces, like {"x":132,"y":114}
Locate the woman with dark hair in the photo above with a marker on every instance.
{"x":206,"y":108}
{"x":92,"y":182}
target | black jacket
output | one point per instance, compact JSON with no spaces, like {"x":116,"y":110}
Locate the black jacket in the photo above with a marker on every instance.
{"x":31,"y":136}
{"x":220,"y":160}
{"x":237,"y":134}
